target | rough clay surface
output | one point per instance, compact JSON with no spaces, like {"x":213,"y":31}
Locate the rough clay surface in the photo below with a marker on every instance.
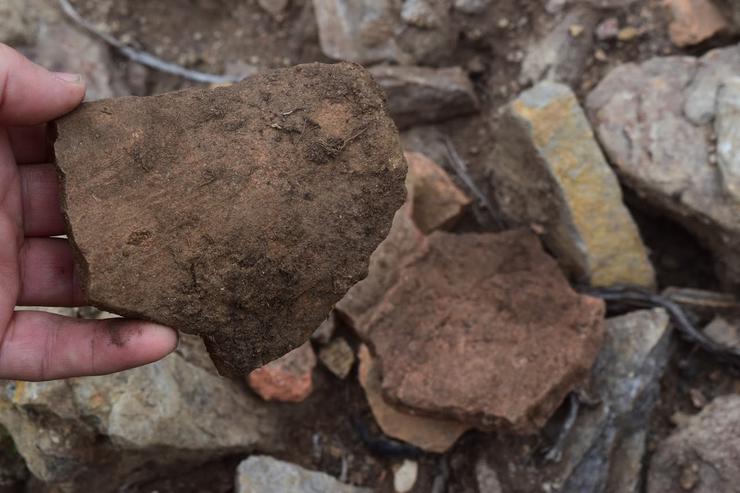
{"x":241,"y":214}
{"x":480,"y":353}
{"x":704,"y":456}
{"x":431,"y":434}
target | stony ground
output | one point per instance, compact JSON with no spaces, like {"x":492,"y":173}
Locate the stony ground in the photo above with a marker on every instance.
{"x":555,"y":147}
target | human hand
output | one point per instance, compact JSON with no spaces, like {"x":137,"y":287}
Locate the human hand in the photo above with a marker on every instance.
{"x":37,"y":270}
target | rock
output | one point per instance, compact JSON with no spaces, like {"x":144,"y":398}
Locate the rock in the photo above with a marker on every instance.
{"x":16,"y":25}
{"x":607,"y":29}
{"x":723,"y":332}
{"x":276,"y":8}
{"x":326,"y":330}
{"x":288,"y":378}
{"x":483,"y":352}
{"x":66,"y":48}
{"x":396,"y":251}
{"x":338,"y":357}
{"x":419,"y":13}
{"x":428,"y":140}
{"x":242,"y":213}
{"x":727,"y":128}
{"x":472,"y":6}
{"x":629,"y":33}
{"x":731,"y":8}
{"x":703,"y":456}
{"x":430,"y":434}
{"x":654,"y":120}
{"x":100,"y":433}
{"x":13,"y":471}
{"x":605,"y":450}
{"x":261,"y":474}
{"x":404,"y":477}
{"x":694,"y":21}
{"x":548,"y":170}
{"x":558,"y":56}
{"x":437,"y":203}
{"x":418,"y":95}
{"x":487,"y":478}
{"x":371,"y":31}
{"x":610,"y":4}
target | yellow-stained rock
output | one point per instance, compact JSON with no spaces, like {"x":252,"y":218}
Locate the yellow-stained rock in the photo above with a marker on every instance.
{"x":548,"y":170}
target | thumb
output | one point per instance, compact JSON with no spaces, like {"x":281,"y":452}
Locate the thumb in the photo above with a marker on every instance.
{"x":30,"y":94}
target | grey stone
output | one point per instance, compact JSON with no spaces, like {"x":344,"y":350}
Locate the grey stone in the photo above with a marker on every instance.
{"x":262,"y":474}
{"x":418,"y":95}
{"x":604,"y":452}
{"x":558,"y":56}
{"x":727,"y":128}
{"x":419,"y":13}
{"x":704,"y":455}
{"x":276,"y":8}
{"x":548,"y":170}
{"x":17,"y":24}
{"x":472,"y":6}
{"x":63,"y":47}
{"x":487,"y":478}
{"x":655,"y":122}
{"x":724,"y":332}
{"x":610,"y":4}
{"x":371,"y":31}
{"x":98,"y":433}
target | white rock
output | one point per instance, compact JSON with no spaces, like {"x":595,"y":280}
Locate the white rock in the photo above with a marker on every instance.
{"x":261,"y":474}
{"x":404,"y":478}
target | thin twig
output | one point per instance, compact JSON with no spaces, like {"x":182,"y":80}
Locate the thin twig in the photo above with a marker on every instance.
{"x":555,"y":454}
{"x":640,"y":298}
{"x":145,"y":58}
{"x":458,"y":164}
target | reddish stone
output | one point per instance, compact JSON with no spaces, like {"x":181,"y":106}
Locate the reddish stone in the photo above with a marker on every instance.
{"x":483,"y":328}
{"x":437,"y":202}
{"x":431,"y":434}
{"x":287,"y":379}
{"x":241,"y":213}
{"x":694,"y":21}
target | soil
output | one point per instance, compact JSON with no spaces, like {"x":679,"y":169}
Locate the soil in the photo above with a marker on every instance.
{"x":292,"y":176}
{"x":224,"y":35}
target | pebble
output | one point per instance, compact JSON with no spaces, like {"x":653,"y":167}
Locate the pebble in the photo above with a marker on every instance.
{"x":628,"y":33}
{"x":607,"y":29}
{"x":694,"y":21}
{"x":338,"y":357}
{"x":404,"y":477}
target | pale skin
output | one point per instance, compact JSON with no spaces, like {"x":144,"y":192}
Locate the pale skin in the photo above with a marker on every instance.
{"x":36,"y":269}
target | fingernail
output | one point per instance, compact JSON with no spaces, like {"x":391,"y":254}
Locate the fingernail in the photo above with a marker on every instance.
{"x":65,"y":77}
